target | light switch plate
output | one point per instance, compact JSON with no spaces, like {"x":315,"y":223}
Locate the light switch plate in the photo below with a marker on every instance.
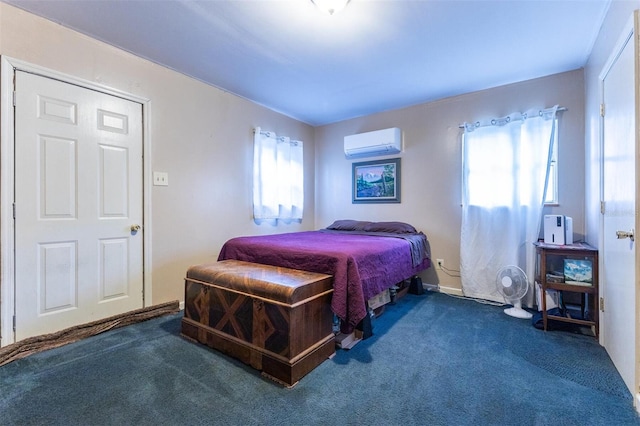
{"x":161,"y":179}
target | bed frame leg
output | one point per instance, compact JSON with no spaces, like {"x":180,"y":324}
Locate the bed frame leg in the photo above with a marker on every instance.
{"x":416,"y":286}
{"x":366,"y":326}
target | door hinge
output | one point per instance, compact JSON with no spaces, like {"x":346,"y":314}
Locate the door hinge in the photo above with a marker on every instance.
{"x":602,"y":304}
{"x":602,"y":207}
{"x":14,"y":323}
{"x":14,"y":98}
{"x":14,"y":211}
{"x":601,"y":110}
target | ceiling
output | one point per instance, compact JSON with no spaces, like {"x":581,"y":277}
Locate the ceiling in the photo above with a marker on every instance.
{"x":375,"y":55}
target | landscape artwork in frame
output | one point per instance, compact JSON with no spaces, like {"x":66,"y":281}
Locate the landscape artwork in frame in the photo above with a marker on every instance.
{"x":376,"y":181}
{"x":578,"y":272}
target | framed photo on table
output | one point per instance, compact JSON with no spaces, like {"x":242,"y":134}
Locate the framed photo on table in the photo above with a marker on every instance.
{"x":376,"y":181}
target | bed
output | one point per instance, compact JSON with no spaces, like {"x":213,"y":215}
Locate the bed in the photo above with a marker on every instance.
{"x":365,"y":258}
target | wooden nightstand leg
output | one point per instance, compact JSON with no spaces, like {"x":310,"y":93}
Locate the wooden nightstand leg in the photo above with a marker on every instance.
{"x":543,"y":297}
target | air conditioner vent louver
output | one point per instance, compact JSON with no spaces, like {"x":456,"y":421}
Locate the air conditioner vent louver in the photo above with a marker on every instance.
{"x":370,"y":144}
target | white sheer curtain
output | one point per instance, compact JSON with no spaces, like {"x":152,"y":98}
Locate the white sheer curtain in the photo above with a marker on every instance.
{"x":505,"y":174}
{"x":278,"y":177}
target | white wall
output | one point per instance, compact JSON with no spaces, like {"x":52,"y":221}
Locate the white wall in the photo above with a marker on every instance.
{"x":431,"y":161}
{"x":200,"y":135}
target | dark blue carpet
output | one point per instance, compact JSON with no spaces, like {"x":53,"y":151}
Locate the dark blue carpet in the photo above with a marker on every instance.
{"x":434,"y":360}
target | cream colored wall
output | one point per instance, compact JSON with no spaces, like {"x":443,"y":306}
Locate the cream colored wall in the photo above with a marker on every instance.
{"x":617,"y":17}
{"x":200,"y":135}
{"x":431,"y":161}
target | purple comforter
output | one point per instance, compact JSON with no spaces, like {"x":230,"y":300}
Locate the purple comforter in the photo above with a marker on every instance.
{"x":362,"y":265}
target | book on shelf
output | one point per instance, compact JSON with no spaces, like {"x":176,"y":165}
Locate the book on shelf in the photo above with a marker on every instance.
{"x":554,"y":277}
{"x":552,"y":297}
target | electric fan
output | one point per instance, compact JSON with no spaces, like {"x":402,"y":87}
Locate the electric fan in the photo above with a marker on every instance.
{"x":512,"y":283}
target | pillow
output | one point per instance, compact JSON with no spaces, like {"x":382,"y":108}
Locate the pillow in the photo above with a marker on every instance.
{"x":348,"y":225}
{"x":393,"y":227}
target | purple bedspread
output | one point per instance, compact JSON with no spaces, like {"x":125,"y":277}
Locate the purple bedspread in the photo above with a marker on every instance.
{"x":362,"y":265}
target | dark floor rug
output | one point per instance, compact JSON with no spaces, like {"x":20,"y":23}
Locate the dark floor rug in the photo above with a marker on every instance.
{"x":434,"y":360}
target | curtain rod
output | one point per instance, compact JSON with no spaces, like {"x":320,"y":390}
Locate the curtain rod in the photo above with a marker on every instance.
{"x":461,"y":126}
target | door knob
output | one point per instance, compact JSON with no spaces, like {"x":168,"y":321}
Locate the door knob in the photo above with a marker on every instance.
{"x":625,"y":234}
{"x":135,"y":228}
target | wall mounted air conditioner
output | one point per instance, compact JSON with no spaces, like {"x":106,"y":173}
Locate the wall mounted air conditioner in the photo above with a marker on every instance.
{"x":370,"y":144}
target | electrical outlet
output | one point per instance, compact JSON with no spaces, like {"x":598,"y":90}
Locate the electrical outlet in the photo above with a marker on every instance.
{"x":160,"y":179}
{"x":440,"y":263}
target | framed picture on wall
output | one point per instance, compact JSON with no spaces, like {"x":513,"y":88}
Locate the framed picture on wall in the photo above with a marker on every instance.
{"x":376,"y":181}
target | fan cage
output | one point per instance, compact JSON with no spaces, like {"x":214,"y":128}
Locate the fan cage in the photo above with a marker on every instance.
{"x":511,"y":282}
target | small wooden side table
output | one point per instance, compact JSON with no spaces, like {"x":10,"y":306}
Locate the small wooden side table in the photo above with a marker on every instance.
{"x":549,"y":259}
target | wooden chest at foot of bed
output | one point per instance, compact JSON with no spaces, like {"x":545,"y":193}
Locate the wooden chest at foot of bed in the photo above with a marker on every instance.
{"x":277,"y":320}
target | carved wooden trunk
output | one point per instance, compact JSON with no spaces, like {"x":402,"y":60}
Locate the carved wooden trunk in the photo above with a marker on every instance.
{"x":277,"y":320}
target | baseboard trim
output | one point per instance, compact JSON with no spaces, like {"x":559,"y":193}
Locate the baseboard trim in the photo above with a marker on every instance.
{"x":450,"y":290}
{"x":44,"y":342}
{"x":430,"y":287}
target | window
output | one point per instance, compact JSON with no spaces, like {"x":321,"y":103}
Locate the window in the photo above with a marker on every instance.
{"x":489,"y":166}
{"x":497,"y":165}
{"x":504,"y":176}
{"x":551,"y":195}
{"x":278,"y":177}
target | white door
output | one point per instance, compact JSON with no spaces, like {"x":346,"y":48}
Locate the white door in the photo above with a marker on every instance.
{"x":619,"y":196}
{"x":78,"y":193}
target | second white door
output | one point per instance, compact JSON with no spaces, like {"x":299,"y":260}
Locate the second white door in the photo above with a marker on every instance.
{"x":619,"y":196}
